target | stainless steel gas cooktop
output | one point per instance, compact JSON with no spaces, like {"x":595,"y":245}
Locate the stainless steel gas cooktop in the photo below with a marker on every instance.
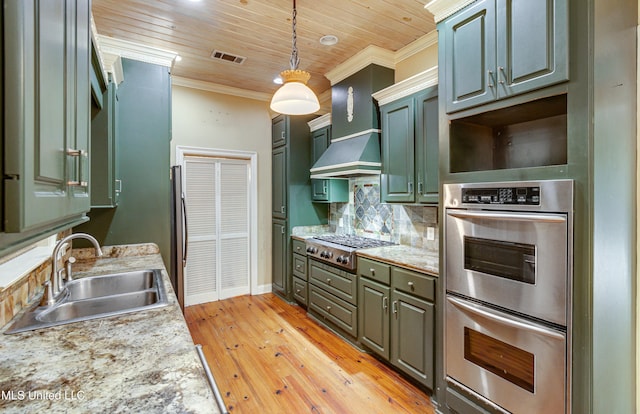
{"x":339,"y":249}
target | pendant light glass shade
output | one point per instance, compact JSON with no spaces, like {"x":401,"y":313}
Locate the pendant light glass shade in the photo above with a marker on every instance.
{"x":294,"y":97}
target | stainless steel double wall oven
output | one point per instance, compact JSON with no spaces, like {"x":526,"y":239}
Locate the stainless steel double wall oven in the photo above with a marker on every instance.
{"x":508,"y":249}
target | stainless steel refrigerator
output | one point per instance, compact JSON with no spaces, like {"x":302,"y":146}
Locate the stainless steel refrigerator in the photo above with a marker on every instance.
{"x":179,"y":234}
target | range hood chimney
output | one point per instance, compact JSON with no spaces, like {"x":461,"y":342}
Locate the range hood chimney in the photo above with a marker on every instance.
{"x":355,"y":130}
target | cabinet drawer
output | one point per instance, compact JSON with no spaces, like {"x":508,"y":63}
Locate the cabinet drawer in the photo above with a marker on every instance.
{"x":300,"y":290}
{"x":337,"y":282}
{"x":300,"y":266}
{"x":374,"y":270}
{"x":344,"y":315}
{"x":413,"y":283}
{"x":299,"y":247}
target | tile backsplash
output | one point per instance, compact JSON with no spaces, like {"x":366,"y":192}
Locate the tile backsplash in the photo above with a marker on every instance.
{"x":365,"y":215}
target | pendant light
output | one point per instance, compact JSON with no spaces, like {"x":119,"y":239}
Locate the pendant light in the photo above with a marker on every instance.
{"x":294,"y":97}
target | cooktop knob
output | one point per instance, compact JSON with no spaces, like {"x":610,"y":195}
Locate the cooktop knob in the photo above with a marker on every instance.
{"x":312,"y":250}
{"x":345,"y":260}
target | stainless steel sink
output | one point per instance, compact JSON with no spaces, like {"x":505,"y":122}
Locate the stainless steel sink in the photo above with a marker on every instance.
{"x":108,"y":285}
{"x":98,"y":297}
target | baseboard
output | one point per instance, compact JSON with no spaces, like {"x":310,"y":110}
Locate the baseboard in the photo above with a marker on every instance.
{"x":261,"y":289}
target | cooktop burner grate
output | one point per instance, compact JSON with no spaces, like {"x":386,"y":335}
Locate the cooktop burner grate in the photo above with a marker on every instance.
{"x":355,"y":242}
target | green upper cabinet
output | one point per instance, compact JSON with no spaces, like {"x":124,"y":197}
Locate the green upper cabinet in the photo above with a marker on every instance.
{"x":279,"y":183}
{"x":410,"y":148}
{"x":46,"y":130}
{"x":398,"y":161}
{"x":494,"y":49}
{"x":325,"y":190}
{"x":279,"y":131}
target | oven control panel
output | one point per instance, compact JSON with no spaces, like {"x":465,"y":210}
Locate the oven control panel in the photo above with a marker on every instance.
{"x":528,"y":196}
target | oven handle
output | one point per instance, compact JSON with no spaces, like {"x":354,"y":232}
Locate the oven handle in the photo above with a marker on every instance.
{"x":514,"y":323}
{"x":547,"y":218}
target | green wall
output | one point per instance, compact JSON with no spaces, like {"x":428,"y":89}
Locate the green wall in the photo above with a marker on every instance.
{"x":143,"y":147}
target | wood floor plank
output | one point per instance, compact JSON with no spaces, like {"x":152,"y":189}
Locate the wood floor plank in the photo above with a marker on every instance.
{"x":268,"y":356}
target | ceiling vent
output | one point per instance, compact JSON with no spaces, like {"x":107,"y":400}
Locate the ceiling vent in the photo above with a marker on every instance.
{"x":228,"y":57}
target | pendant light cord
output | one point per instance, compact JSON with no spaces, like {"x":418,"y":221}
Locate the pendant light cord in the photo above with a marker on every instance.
{"x":295,"y":60}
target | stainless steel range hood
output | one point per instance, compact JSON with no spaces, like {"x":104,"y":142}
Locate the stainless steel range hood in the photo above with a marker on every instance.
{"x":358,"y":154}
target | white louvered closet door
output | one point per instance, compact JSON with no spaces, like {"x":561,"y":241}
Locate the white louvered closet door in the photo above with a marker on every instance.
{"x":217,"y":199}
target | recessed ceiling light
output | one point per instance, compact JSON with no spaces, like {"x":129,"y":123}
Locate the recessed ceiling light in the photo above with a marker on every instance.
{"x":329,"y":40}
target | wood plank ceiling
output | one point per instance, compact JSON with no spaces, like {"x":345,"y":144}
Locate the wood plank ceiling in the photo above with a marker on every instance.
{"x":260,"y":31}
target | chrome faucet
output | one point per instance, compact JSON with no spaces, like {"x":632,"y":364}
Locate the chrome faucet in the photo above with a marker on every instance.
{"x":55,"y":286}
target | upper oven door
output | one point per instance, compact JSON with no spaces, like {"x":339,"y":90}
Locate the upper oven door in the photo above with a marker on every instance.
{"x":511,"y":259}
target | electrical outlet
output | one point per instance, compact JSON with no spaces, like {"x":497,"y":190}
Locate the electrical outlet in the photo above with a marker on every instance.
{"x":431,"y":233}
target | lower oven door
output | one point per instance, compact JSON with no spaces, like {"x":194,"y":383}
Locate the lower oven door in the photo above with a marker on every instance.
{"x":514,"y":363}
{"x":514,"y":260}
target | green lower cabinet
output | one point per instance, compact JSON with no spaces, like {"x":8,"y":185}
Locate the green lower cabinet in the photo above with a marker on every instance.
{"x":412,"y":329}
{"x":300,"y":291}
{"x":330,"y":190}
{"x":279,"y":257}
{"x":373,"y":324}
{"x":397,"y":322}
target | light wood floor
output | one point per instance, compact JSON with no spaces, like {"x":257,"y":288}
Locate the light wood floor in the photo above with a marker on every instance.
{"x":268,"y":357}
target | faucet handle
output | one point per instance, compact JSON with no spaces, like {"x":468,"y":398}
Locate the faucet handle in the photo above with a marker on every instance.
{"x":70,"y":262}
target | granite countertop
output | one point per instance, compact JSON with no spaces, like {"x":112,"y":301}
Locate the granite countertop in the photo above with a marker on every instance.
{"x":138,"y":362}
{"x":408,"y":257}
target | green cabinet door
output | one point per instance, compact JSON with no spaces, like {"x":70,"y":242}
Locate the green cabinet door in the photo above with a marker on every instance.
{"x":469,"y":52}
{"x":78,"y":108}
{"x":320,"y":139}
{"x":279,"y":131}
{"x":398,"y":162}
{"x":373,"y":316}
{"x":412,"y":336}
{"x":532,"y":44}
{"x":279,"y":182}
{"x":279,"y":256}
{"x":495,"y":49}
{"x":46,"y":126}
{"x":427,"y":186}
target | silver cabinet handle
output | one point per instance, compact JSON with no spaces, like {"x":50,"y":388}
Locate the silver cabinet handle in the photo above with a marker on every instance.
{"x":282,"y":229}
{"x":298,"y":267}
{"x":409,"y":187}
{"x":328,"y":308}
{"x":185,"y":228}
{"x":395,"y":308}
{"x":504,"y":75}
{"x":118,"y":186}
{"x":328,"y":281}
{"x":282,"y":209}
{"x":490,"y":77}
{"x":420,"y":187}
{"x":78,"y":154}
{"x":385,"y":303}
{"x":325,"y":189}
{"x":373,"y":271}
{"x":282,"y":135}
{"x":410,"y":285}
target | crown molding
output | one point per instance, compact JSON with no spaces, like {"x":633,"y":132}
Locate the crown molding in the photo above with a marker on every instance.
{"x":367,"y":56}
{"x":222,"y":89}
{"x":441,"y":9}
{"x":136,"y":51}
{"x":320,"y":122}
{"x":417,"y":46}
{"x":408,"y":86}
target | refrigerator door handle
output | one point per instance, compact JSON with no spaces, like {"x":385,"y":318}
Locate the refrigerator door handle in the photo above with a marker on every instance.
{"x":185,"y":242}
